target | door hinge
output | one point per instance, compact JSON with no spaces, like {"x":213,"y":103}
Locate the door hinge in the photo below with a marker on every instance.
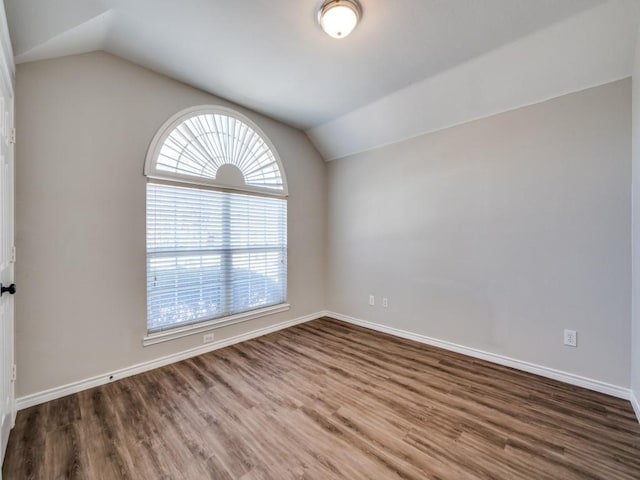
{"x":14,"y":373}
{"x":13,"y":254}
{"x":12,"y":136}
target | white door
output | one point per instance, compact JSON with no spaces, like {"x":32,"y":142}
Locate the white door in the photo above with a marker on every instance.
{"x":7,"y":257}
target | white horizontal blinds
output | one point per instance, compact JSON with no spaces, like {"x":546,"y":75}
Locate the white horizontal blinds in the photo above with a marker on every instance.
{"x":203,"y":143}
{"x":212,"y":253}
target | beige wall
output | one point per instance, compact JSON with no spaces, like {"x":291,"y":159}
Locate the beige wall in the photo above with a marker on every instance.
{"x":635,"y":320}
{"x":85,"y":123}
{"x":497,"y":234}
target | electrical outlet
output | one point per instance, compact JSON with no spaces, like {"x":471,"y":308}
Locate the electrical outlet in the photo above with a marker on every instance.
{"x":208,"y":338}
{"x":571,"y":338}
{"x":385,"y":302}
{"x":372,"y":300}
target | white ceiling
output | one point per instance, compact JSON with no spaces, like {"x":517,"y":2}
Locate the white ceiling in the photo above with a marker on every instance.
{"x":270,"y":56}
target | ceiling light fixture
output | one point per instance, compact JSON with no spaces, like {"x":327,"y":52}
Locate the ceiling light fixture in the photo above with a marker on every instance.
{"x":338,"y":18}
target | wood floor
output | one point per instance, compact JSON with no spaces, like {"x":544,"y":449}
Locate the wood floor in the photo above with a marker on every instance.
{"x":326,"y":400}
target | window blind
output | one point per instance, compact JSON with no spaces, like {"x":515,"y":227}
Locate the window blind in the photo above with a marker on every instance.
{"x":212,"y":253}
{"x":203,"y":143}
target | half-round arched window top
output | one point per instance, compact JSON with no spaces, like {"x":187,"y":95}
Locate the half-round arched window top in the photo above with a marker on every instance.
{"x":215,"y":146}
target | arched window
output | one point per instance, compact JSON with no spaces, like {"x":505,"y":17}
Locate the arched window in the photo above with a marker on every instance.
{"x":216,"y":224}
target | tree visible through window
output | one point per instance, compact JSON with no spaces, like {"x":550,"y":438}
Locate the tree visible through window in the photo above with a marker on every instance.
{"x":216,"y":221}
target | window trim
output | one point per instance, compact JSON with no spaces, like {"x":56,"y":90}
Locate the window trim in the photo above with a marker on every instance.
{"x":208,"y":325}
{"x":167,"y":128}
{"x":154,"y":175}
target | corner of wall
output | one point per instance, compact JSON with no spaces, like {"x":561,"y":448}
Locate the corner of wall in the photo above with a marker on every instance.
{"x":635,"y":232}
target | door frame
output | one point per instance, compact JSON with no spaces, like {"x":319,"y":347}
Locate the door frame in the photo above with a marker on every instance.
{"x":7,"y":80}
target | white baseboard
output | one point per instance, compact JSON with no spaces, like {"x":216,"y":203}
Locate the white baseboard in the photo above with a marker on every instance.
{"x":566,"y":377}
{"x":636,"y":405}
{"x":75,"y":387}
{"x":570,"y":378}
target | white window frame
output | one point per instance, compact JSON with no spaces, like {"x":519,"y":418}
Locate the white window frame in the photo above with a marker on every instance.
{"x":161,"y":176}
{"x":170,"y":125}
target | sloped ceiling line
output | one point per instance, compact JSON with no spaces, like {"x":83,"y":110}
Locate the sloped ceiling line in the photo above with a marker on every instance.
{"x":590,"y":49}
{"x":403,"y":72}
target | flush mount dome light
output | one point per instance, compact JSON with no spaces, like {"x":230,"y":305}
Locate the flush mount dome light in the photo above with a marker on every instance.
{"x":338,"y":18}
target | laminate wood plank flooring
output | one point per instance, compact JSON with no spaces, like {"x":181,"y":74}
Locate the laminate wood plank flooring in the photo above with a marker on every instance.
{"x":328,"y":400}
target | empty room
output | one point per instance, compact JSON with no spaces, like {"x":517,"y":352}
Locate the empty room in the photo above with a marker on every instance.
{"x":320,"y":239}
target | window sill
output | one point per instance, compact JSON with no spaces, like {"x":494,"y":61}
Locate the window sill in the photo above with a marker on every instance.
{"x":179,"y":332}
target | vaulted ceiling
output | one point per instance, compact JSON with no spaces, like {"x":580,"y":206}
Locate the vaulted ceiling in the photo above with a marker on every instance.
{"x":410,"y":67}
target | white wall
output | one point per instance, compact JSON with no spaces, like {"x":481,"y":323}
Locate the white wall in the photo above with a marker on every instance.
{"x":497,"y":234}
{"x":85,"y":123}
{"x":635,"y":321}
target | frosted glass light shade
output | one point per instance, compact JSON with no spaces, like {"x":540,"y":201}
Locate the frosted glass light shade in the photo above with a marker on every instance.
{"x":338,"y":18}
